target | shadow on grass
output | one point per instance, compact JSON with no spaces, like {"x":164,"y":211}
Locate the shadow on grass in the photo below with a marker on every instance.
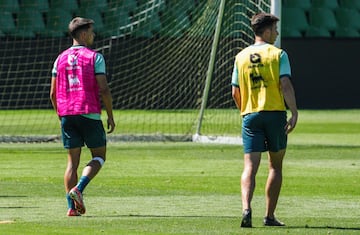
{"x":165,"y":216}
{"x":15,"y":207}
{"x":323,"y":227}
{"x":333,"y":227}
{"x":224,"y":217}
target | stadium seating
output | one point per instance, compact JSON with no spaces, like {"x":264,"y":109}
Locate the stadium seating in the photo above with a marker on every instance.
{"x":352,"y":4}
{"x":71,"y":6}
{"x":146,"y":21}
{"x":8,"y":27}
{"x":143,"y":32}
{"x":57,"y":22}
{"x":176,"y":22}
{"x":152,"y":6}
{"x":94,"y":14}
{"x":329,"y":4}
{"x":181,"y":4}
{"x":7,"y":24}
{"x":346,"y":33}
{"x":317,"y":32}
{"x":322,"y":18}
{"x":117,"y":22}
{"x":9,"y":6}
{"x":290,"y":33}
{"x":30,"y":20}
{"x":348,"y":18}
{"x":294,"y":19}
{"x":39,"y":5}
{"x":126,"y":5}
{"x":155,"y":24}
{"x":300,"y":18}
{"x":99,"y":5}
{"x":302,"y":4}
{"x":338,"y":17}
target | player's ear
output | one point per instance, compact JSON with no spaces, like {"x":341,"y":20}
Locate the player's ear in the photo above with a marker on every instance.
{"x":267,"y":31}
{"x":83,"y":34}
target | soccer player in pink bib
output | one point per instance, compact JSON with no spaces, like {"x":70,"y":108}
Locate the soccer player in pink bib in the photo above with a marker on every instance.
{"x":78,"y":85}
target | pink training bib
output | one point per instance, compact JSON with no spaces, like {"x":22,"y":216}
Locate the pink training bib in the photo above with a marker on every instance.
{"x":77,"y":91}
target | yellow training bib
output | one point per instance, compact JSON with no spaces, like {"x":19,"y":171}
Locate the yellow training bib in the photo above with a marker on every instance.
{"x":259,"y":79}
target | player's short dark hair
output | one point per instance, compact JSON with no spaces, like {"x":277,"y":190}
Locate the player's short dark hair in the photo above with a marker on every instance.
{"x":262,"y":21}
{"x":79,"y":24}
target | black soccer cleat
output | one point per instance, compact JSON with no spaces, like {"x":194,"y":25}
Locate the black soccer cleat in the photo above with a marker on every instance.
{"x":272,"y":222}
{"x":246,"y":219}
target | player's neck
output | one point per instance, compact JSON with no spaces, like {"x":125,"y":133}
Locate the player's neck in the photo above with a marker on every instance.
{"x":261,"y":40}
{"x":79,"y":43}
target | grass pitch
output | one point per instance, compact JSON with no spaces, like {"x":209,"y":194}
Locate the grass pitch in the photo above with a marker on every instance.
{"x":189,"y":188}
{"x":178,"y":188}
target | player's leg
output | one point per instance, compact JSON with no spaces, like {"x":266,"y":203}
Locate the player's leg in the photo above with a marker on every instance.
{"x":72,"y":142}
{"x":277,"y":142}
{"x":251,"y":166}
{"x":97,"y":161}
{"x":88,"y":173}
{"x":254,"y":144}
{"x":93,"y":167}
{"x":95,"y":138}
{"x":273,"y":186}
{"x":71,"y":177}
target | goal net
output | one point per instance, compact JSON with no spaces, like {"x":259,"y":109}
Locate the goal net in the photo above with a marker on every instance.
{"x":161,"y":56}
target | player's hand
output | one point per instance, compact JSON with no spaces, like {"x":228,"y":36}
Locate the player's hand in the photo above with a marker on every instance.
{"x":110,"y":125}
{"x":290,"y":125}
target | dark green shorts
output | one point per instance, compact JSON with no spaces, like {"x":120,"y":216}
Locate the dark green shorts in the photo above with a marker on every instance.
{"x":77,"y":130}
{"x":264,"y":131}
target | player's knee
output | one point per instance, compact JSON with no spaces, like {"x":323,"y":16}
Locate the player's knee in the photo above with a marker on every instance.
{"x":100,"y":160}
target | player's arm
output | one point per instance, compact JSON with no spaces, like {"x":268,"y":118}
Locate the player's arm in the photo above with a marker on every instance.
{"x":235,"y":90}
{"x":53,"y":86}
{"x":289,"y":96}
{"x":104,"y":90}
{"x":107,"y":100}
{"x":288,"y":91}
{"x":53,"y":92}
{"x":236,"y":96}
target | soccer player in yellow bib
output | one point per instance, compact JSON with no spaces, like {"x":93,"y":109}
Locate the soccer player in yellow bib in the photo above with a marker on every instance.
{"x":261,"y":86}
